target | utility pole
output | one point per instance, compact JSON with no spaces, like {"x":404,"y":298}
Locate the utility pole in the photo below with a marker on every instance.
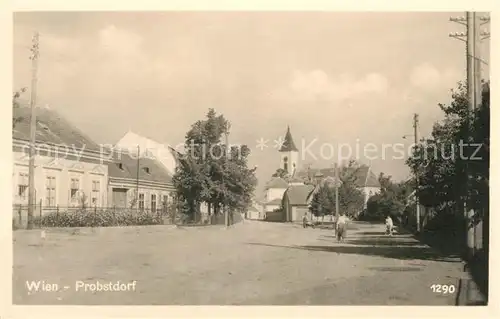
{"x":137,"y":178}
{"x":417,"y":202}
{"x":472,"y":39}
{"x":31,"y":170}
{"x":474,"y":89}
{"x":226,"y":206}
{"x":337,"y":181}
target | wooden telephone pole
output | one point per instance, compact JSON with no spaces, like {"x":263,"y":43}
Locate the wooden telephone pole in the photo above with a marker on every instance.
{"x":337,"y":181}
{"x":417,"y":202}
{"x":31,"y":171}
{"x":226,"y":204}
{"x":137,"y":178}
{"x":474,"y":91}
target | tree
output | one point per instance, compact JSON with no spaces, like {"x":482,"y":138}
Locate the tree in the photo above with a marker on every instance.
{"x":392,"y":199}
{"x":280,"y":172}
{"x":323,"y":201}
{"x":448,"y":175}
{"x":207,"y":175}
{"x":15,"y":105}
{"x":351,"y":199}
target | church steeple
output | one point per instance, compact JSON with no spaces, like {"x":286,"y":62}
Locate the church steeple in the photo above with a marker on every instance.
{"x":289,"y":154}
{"x":288,"y":144}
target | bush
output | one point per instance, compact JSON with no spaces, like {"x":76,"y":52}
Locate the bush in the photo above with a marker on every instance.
{"x":98,"y":218}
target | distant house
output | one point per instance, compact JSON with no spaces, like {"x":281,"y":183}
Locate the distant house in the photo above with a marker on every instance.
{"x":163,"y":153}
{"x":254,"y":213}
{"x":296,"y":202}
{"x":139,"y":182}
{"x":365,"y":179}
{"x":70,"y":169}
{"x":274,"y":191}
{"x":295,"y":193}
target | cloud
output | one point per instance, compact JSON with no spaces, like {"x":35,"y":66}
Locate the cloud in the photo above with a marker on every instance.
{"x":427,"y":77}
{"x":318,"y":85}
{"x":119,"y":42}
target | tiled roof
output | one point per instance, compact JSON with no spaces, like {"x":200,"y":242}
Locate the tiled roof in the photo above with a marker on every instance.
{"x":157,"y":172}
{"x":51,"y":128}
{"x":276,"y":182}
{"x":364,"y":176}
{"x":288,"y":144}
{"x":162,"y":152}
{"x":298,"y":194}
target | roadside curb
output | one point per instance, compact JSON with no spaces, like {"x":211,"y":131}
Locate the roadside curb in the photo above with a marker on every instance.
{"x":469,"y":294}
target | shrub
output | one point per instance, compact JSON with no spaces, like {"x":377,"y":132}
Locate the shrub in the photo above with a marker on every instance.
{"x":98,"y":218}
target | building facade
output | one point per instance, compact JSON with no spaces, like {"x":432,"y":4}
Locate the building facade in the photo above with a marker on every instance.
{"x":162,"y":153}
{"x":275,"y":188}
{"x":139,"y":182}
{"x":296,"y":202}
{"x":70,"y":169}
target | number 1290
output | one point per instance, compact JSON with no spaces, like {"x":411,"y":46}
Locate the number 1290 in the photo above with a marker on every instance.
{"x":443,"y":289}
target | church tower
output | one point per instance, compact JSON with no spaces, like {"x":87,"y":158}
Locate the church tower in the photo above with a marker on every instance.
{"x":289,"y":154}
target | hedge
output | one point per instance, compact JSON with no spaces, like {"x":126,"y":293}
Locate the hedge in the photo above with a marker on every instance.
{"x":99,"y":218}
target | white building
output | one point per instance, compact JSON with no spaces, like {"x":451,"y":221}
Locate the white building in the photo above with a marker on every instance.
{"x":148,"y":148}
{"x":142,"y":183}
{"x":70,"y":169}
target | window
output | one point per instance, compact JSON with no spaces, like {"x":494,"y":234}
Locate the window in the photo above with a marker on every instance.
{"x":96,"y":190}
{"x":164,"y":203}
{"x":22,"y":185}
{"x":141,"y":201}
{"x":74,"y":187}
{"x":285,"y":163}
{"x":153,"y":202}
{"x":50,"y":191}
{"x":146,"y":169}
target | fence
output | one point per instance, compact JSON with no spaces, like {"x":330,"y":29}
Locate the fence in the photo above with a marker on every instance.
{"x":41,"y":213}
{"x":44,"y":216}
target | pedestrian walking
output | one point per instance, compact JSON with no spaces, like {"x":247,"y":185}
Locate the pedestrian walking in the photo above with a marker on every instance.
{"x":389,"y":225}
{"x":341,"y":227}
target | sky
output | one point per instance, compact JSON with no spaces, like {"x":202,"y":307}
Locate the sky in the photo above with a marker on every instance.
{"x":335,"y":78}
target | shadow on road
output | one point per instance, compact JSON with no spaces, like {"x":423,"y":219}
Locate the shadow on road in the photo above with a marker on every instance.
{"x":383,"y":241}
{"x":371,"y":233}
{"x":408,"y":252}
{"x":395,"y":269}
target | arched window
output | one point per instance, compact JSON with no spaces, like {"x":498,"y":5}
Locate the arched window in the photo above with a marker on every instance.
{"x":285,"y":163}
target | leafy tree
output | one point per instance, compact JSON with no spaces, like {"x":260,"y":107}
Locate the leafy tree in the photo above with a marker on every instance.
{"x":280,"y":172}
{"x":207,"y":174}
{"x":323,"y":201}
{"x":391,"y":200}
{"x":15,"y":104}
{"x":440,"y":161}
{"x":351,"y":198}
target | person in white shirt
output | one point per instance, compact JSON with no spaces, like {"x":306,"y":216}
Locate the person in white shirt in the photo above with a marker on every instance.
{"x":305,"y":221}
{"x":389,"y":225}
{"x":341,"y":227}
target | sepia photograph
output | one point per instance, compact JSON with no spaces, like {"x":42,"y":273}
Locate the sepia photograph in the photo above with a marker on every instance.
{"x":250,"y":158}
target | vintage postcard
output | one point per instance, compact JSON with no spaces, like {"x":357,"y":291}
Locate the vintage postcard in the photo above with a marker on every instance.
{"x":250,"y":158}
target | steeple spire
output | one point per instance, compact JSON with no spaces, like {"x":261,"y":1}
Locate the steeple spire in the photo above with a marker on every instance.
{"x":288,"y":144}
